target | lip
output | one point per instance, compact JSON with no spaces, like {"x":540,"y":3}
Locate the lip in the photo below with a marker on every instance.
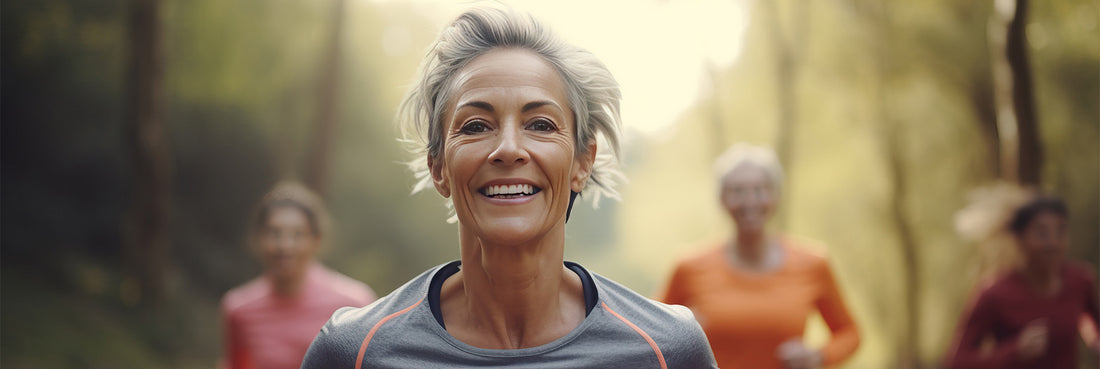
{"x":509,"y":182}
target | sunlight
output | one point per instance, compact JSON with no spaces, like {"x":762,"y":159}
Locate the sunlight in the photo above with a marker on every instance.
{"x":658,"y":50}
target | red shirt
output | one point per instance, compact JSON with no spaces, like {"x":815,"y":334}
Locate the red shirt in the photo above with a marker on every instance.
{"x":267,"y":331}
{"x":746,"y":316}
{"x":1004,"y":308}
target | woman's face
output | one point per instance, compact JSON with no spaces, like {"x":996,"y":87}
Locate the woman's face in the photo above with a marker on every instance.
{"x":1044,"y":240}
{"x":287,"y":243}
{"x":508,"y":161}
{"x":749,"y":197}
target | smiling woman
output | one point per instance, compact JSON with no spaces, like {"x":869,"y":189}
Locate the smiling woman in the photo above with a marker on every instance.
{"x":508,"y":119}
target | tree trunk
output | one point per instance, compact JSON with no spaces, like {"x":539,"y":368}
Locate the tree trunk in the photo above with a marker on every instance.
{"x":147,"y":243}
{"x":891,"y":135}
{"x":787,"y":51}
{"x":1021,"y":149}
{"x":985,"y":114}
{"x":319,"y":158}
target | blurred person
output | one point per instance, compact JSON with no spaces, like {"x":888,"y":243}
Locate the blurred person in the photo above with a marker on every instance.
{"x":753,"y":292}
{"x":507,"y":117}
{"x":1030,"y":315}
{"x":271,"y":320}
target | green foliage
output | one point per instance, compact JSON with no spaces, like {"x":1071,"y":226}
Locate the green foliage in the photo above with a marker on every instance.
{"x":240,"y":88}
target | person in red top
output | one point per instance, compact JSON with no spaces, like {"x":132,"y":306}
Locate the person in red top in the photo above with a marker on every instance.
{"x":753,"y":292}
{"x":271,"y":320}
{"x":1032,"y":314}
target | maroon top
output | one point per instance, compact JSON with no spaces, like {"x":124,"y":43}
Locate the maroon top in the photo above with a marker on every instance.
{"x":1004,"y":308}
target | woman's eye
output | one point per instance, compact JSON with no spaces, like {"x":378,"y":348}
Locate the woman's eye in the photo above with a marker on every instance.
{"x":542,"y":125}
{"x":474,"y":126}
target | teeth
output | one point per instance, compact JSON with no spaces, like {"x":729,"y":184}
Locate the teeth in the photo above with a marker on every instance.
{"x":518,"y":189}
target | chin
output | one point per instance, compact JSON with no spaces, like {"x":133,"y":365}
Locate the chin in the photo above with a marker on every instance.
{"x":512,"y":231}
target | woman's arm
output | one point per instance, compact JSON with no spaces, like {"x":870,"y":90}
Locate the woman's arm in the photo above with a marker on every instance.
{"x":237,"y":355}
{"x":1090,"y":321}
{"x":845,"y":334}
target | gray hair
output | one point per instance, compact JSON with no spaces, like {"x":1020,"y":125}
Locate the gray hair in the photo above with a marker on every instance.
{"x":592,"y":90}
{"x":740,"y":154}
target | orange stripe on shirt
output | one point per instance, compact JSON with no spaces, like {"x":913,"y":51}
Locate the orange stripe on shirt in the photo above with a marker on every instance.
{"x":366,"y":340}
{"x":652,"y":344}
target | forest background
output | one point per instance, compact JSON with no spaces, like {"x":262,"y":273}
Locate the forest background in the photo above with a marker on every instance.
{"x":138,"y":135}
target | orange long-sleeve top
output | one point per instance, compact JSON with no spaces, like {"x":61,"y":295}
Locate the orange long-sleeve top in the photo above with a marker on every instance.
{"x":747,"y":315}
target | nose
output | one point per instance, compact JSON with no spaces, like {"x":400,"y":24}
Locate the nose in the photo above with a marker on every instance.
{"x":510,"y":148}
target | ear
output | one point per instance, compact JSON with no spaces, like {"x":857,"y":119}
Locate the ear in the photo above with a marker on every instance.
{"x":583,"y":168}
{"x":441,"y":184}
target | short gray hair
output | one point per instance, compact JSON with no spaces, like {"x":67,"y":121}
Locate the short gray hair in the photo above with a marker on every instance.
{"x":593,"y":92}
{"x":742,"y":153}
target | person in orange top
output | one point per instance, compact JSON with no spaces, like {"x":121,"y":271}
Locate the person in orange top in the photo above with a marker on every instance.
{"x":271,"y":320}
{"x":752,"y":293}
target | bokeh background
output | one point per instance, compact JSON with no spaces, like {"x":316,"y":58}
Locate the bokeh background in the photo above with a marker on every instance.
{"x":137,"y":135}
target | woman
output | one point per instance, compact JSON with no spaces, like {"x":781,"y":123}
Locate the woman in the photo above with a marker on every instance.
{"x":271,"y":320}
{"x":1034,"y":313}
{"x":512,"y":116}
{"x":753,"y":292}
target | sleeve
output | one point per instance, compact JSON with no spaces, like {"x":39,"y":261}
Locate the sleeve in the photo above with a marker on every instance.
{"x":237,"y":355}
{"x":675,"y":291}
{"x":1090,"y":320}
{"x":690,"y":348}
{"x":331,"y":349}
{"x":967,"y":350}
{"x":845,"y":334}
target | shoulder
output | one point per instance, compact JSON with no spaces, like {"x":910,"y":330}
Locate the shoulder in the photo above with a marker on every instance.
{"x":340,"y":338}
{"x":346,"y":287}
{"x":671,"y":328}
{"x":704,"y":259}
{"x":1080,"y":270}
{"x":1080,"y":274}
{"x":244,"y":296}
{"x":1004,"y":287}
{"x":806,"y":254}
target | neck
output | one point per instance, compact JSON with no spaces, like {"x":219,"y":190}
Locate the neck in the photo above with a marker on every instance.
{"x":513,"y":296}
{"x":289,"y":286}
{"x":1044,"y":278}
{"x":751,"y":247}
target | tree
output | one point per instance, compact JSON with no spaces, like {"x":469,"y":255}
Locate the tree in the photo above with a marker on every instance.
{"x":148,"y":243}
{"x":1014,"y":95}
{"x":788,"y":49}
{"x":891,"y":134}
{"x":319,"y":156}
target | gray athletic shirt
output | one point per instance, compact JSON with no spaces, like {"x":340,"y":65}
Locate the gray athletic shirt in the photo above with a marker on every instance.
{"x":622,"y":330}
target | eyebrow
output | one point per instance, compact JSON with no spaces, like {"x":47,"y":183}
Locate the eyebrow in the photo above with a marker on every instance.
{"x":538,"y":104}
{"x":526,"y":107}
{"x":478,"y":104}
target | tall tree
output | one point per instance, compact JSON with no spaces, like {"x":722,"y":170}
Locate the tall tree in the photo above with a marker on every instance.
{"x":319,"y":157}
{"x":147,"y":244}
{"x":788,"y":48}
{"x":1014,"y":95}
{"x":891,"y":133}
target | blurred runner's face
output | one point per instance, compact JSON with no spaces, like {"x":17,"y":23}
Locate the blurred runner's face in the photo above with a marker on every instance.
{"x":508,"y":161}
{"x":749,"y":197}
{"x":287,"y":244}
{"x":1044,"y":240}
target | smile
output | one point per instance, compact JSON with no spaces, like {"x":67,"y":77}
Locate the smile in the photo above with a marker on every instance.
{"x":509,"y":191}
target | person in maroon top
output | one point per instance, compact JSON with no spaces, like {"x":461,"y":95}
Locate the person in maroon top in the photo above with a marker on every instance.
{"x":1034,"y":313}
